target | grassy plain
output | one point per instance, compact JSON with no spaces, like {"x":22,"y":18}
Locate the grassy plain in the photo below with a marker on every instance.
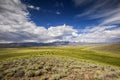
{"x":99,"y":59}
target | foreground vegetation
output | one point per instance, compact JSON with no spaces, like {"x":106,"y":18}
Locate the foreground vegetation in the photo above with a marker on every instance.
{"x":49,"y":68}
{"x":60,"y":63}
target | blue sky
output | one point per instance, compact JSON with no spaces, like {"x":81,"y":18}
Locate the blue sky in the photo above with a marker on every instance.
{"x":93,"y":21}
{"x":59,"y":12}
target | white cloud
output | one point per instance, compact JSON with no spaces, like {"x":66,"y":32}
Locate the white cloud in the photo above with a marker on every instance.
{"x":96,"y":34}
{"x":12,"y":12}
{"x":113,"y":19}
{"x":33,"y":7}
{"x":99,"y":34}
{"x":61,"y":30}
{"x":107,"y":12}
{"x":98,"y":28}
{"x":16,"y":27}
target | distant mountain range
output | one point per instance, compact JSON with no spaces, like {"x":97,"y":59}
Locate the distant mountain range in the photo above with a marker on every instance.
{"x":30,"y":44}
{"x":61,"y":43}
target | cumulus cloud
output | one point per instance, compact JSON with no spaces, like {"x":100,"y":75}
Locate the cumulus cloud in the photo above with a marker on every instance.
{"x":16,"y":26}
{"x":61,"y":30}
{"x":12,"y":12}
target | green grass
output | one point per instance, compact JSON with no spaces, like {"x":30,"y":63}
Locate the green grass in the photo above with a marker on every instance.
{"x":114,"y":48}
{"x":62,"y":62}
{"x":79,"y":52}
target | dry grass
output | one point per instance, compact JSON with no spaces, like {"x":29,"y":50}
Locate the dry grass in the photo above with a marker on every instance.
{"x":113,"y":48}
{"x":52,"y":68}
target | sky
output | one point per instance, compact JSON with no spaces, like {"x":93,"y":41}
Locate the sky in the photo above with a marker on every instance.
{"x":44,"y":21}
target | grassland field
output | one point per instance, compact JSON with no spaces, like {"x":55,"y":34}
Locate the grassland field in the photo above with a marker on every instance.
{"x":100,"y":55}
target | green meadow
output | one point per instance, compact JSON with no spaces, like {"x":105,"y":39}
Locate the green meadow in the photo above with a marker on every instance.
{"x":98,"y":58}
